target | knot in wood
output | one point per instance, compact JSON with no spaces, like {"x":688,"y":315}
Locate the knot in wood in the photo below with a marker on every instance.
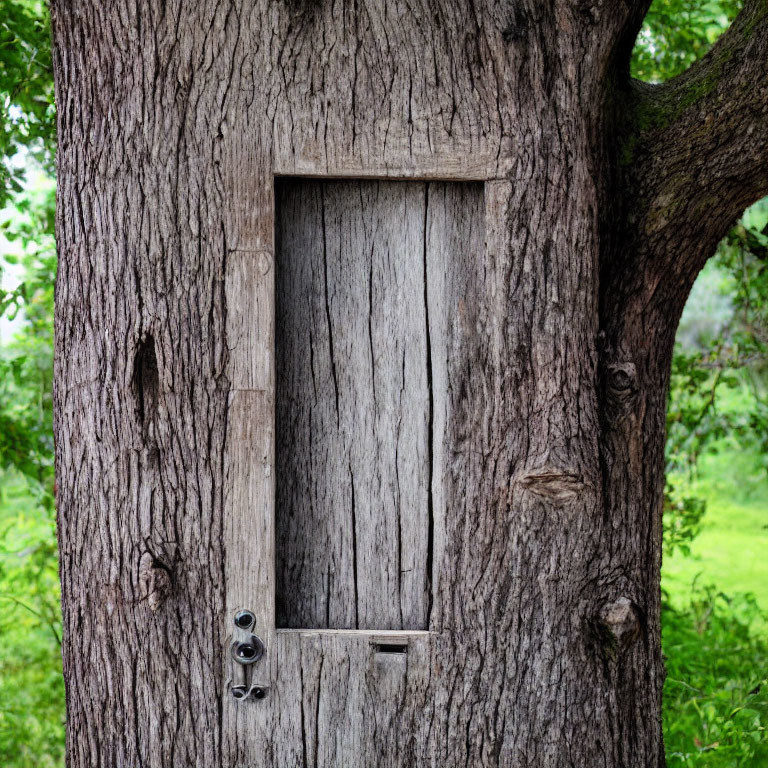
{"x":620,"y":623}
{"x":154,"y":581}
{"x":590,"y":10}
{"x":516,"y":28}
{"x":553,"y":484}
{"x":621,"y":387}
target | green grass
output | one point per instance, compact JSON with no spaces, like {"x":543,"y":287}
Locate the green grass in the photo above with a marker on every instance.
{"x":716,"y":690}
{"x":715,"y":632}
{"x":731,"y":551}
{"x":31,"y":684}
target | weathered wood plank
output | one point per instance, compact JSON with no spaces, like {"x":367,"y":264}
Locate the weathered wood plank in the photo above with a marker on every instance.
{"x":249,"y":534}
{"x":455,"y":246}
{"x":353,"y":406}
{"x":249,"y":288}
{"x":336,"y":697}
{"x":450,"y":162}
{"x":249,"y":525}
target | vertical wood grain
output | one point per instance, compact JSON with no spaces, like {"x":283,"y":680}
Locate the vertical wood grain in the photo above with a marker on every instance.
{"x":352,"y":406}
{"x":356,"y":403}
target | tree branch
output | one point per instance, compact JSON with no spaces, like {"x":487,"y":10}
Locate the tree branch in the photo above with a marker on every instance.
{"x":694,"y":152}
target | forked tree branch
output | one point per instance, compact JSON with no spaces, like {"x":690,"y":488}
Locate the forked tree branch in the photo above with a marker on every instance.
{"x":695,"y":151}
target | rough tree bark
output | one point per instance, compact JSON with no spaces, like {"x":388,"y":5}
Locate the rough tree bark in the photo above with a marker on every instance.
{"x":603,"y":198}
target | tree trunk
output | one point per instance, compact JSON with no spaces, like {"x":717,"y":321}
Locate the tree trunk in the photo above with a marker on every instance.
{"x":517,"y":353}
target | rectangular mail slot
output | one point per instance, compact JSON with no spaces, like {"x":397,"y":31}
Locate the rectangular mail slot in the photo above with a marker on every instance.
{"x":359,"y":321}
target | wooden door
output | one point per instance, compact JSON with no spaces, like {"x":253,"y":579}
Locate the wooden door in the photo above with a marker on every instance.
{"x":337,"y":480}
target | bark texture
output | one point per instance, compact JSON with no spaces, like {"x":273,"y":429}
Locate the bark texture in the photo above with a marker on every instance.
{"x":536,"y":365}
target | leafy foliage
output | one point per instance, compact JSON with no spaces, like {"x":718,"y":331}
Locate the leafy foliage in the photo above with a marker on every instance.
{"x":26,"y":364}
{"x":716,"y":692}
{"x":31,"y":685}
{"x":27,"y":120}
{"x":676,"y":33}
{"x":711,"y":367}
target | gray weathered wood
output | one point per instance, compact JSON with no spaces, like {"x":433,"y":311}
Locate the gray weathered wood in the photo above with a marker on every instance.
{"x":355,"y":513}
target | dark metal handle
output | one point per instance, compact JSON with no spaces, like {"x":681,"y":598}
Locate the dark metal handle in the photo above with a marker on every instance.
{"x":245,"y":650}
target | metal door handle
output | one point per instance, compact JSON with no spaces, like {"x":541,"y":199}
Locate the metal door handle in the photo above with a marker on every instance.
{"x":246,"y":649}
